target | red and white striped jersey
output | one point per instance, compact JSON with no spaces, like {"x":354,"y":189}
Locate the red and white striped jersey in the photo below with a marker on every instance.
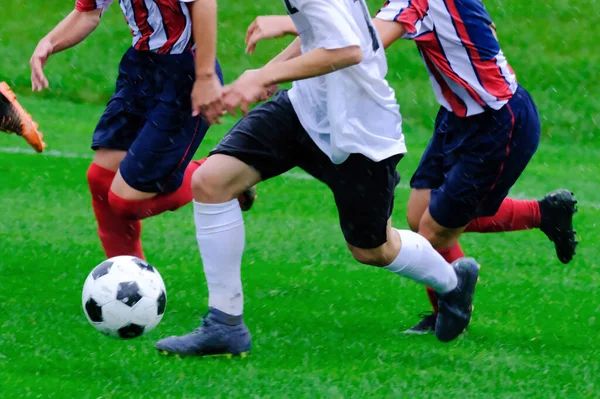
{"x":160,"y":26}
{"x":457,"y":41}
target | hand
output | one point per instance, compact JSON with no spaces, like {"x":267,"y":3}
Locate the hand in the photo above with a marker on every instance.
{"x":269,"y":92}
{"x":206,"y":99}
{"x":247,"y":90}
{"x":267,"y":27}
{"x":38,"y":61}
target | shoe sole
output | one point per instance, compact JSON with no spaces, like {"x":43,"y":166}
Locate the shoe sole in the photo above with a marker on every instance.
{"x":29,"y":133}
{"x":413,"y":332}
{"x":241,"y":355}
{"x":562,"y":234}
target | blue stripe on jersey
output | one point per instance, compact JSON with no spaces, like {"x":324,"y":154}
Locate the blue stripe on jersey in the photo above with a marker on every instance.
{"x":477,"y":23}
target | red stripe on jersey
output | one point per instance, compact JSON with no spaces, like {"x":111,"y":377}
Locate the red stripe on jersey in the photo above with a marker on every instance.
{"x":433,"y":50}
{"x":140,"y":12}
{"x":456,"y":103}
{"x":173,"y":21}
{"x":489,"y":73}
{"x":85,"y":5}
{"x":416,"y":11}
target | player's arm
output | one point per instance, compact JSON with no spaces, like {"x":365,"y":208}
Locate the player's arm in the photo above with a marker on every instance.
{"x":268,"y":27}
{"x":337,"y":47}
{"x":206,"y":94}
{"x":273,"y":26}
{"x":289,"y":66}
{"x":389,"y":31}
{"x":69,"y":32}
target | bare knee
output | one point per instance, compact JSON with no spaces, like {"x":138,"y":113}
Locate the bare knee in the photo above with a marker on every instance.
{"x":222,"y":178}
{"x":438,"y":235}
{"x":417,"y":205}
{"x":379,"y":257}
{"x":413,"y":220}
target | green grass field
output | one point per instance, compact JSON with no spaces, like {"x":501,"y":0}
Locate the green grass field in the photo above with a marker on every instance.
{"x":324,"y":326}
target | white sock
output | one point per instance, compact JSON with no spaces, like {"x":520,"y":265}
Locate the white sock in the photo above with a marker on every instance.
{"x":418,"y":261}
{"x":221,"y":237}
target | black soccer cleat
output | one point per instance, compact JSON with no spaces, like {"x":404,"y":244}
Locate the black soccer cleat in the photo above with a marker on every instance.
{"x":247,"y":198}
{"x":425,"y":326}
{"x":219,"y":335}
{"x":455,"y":307}
{"x":557,"y":210}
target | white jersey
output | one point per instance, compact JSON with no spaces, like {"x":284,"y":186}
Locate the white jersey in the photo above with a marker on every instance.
{"x":352,"y":110}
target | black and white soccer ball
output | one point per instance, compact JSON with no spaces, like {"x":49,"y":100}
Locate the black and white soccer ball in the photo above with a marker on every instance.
{"x":124,"y":297}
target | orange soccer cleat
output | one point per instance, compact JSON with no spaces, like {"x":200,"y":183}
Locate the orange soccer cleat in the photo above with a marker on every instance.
{"x":14,"y":119}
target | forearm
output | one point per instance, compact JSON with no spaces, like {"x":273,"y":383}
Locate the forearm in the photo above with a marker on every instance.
{"x":314,"y":63}
{"x":73,"y":29}
{"x":204,"y":27}
{"x":292,"y":51}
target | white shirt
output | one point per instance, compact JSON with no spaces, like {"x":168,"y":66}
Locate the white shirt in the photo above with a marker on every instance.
{"x":352,"y":110}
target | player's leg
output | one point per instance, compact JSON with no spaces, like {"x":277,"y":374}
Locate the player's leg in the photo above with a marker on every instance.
{"x":114,"y":134}
{"x":156,"y":175}
{"x":553,"y":215}
{"x":259,"y":147}
{"x":477,"y":184}
{"x":364,"y":195}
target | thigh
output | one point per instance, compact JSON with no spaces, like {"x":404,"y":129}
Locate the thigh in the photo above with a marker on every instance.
{"x":266,"y":139}
{"x":364,"y":195}
{"x":418,"y":203}
{"x":109,"y":159}
{"x":430,"y":172}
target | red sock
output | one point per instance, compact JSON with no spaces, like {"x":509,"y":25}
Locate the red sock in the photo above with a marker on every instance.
{"x":138,"y":210}
{"x":118,"y":236}
{"x":450,"y":255}
{"x":513,"y":215}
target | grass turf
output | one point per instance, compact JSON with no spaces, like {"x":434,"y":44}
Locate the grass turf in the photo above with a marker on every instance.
{"x":323,"y":326}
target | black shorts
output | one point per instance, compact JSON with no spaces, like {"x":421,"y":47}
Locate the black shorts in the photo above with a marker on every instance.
{"x":272,"y":141}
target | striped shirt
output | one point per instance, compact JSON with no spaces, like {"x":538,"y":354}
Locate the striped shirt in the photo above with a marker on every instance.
{"x":160,"y":26}
{"x":458,"y":44}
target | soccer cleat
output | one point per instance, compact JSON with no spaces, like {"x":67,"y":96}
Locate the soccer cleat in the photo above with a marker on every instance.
{"x":557,"y":210}
{"x":455,"y":307}
{"x":219,"y":335}
{"x":14,"y":119}
{"x":425,"y":326}
{"x":247,"y":199}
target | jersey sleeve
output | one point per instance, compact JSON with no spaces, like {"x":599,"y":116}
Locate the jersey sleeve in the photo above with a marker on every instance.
{"x":410,"y":13}
{"x":332,"y":24}
{"x":91,"y":5}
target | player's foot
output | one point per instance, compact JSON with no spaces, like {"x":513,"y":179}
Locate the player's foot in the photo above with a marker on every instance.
{"x":425,"y":326}
{"x":557,"y":210}
{"x":455,"y":307}
{"x":14,"y":119}
{"x":247,"y":199}
{"x":219,"y":335}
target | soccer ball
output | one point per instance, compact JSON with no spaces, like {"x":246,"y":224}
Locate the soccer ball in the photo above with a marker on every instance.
{"x":124,"y":297}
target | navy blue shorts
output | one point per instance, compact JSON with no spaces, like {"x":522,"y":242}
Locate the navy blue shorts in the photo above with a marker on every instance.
{"x":272,"y":140}
{"x":149,"y":116}
{"x":471,"y":163}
